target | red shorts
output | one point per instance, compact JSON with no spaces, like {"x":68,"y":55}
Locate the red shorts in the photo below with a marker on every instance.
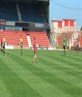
{"x":34,"y":51}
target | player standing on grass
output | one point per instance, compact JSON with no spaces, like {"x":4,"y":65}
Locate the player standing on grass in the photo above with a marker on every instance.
{"x":35,"y":59}
{"x":1,"y":44}
{"x":64,"y":44}
{"x":3,"y":41}
{"x":21,"y":44}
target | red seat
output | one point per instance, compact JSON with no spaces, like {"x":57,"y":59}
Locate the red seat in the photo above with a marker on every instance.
{"x":13,"y":37}
{"x":41,"y":38}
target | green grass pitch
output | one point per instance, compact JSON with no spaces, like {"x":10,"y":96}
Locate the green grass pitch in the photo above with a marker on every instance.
{"x":55,"y":75}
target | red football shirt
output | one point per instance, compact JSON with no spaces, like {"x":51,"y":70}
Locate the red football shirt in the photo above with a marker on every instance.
{"x":34,"y":47}
{"x":1,"y":40}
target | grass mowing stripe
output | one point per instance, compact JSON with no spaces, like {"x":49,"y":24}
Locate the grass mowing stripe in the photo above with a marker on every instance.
{"x":58,"y":68}
{"x":58,"y":53}
{"x":66,"y":59}
{"x":38,"y":84}
{"x":57,"y":94}
{"x":69,"y":77}
{"x":3,"y":90}
{"x":50,"y":78}
{"x":61,"y":61}
{"x":72,"y":56}
{"x":16,"y":86}
{"x":71,"y":70}
{"x":62,"y":66}
{"x":72,"y":79}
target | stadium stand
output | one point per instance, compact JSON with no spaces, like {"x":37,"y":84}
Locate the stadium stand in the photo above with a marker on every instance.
{"x":24,"y":16}
{"x":8,"y":11}
{"x":41,"y":38}
{"x":13,"y":37}
{"x":80,"y":39}
{"x":59,"y":40}
{"x":69,"y":37}
{"x":24,"y":37}
{"x":31,"y":12}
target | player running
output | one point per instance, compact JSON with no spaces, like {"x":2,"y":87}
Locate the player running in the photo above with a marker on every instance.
{"x":35,"y":59}
{"x":1,"y":45}
{"x":21,"y":44}
{"x":3,"y":41}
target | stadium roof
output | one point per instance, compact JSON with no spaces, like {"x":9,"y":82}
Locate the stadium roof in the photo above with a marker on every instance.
{"x":26,"y":0}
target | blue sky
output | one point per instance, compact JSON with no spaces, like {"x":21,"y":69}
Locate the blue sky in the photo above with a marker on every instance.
{"x":70,"y":9}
